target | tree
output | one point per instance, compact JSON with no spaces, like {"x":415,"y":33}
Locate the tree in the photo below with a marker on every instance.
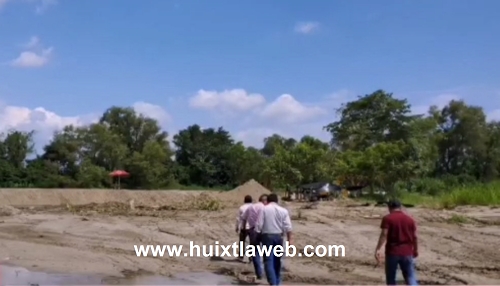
{"x":376,"y":142}
{"x":121,"y":140}
{"x":372,"y":119}
{"x":463,"y":139}
{"x":204,"y":156}
{"x":275,"y":141}
{"x":16,"y":147}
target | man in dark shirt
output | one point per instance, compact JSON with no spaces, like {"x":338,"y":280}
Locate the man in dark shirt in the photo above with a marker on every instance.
{"x":400,"y":238}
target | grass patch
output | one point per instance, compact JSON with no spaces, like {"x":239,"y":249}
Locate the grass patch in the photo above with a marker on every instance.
{"x":406,"y":198}
{"x":207,"y":205}
{"x":475,"y":195}
{"x":419,"y":200}
{"x":203,"y":202}
{"x":471,"y":195}
{"x":458,"y":219}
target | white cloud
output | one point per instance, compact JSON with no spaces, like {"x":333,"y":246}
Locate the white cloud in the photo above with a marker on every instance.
{"x":229,"y":101}
{"x":153,"y":111}
{"x":44,"y":122}
{"x":38,"y":118}
{"x":287,"y":109}
{"x":306,"y":27}
{"x":259,"y":118}
{"x":30,"y":59}
{"x":34,"y":56}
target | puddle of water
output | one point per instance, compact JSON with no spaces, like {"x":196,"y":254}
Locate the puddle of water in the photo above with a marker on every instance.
{"x":10,"y":275}
{"x":20,"y":276}
{"x":195,"y":278}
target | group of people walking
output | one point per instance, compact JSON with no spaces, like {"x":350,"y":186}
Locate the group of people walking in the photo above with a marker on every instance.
{"x":266,"y":223}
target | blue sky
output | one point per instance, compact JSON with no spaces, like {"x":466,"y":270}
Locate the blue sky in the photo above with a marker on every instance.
{"x":255,"y":67}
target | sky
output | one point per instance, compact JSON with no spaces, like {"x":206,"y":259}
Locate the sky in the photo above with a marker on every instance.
{"x":255,"y":67}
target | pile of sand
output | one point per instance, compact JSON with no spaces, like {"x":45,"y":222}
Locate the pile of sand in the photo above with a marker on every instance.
{"x":236,"y":196}
{"x":156,"y":199}
{"x":55,"y":197}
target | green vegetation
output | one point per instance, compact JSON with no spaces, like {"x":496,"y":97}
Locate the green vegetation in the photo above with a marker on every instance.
{"x":458,"y":219}
{"x":476,"y":194}
{"x":479,"y":195}
{"x":447,"y":157}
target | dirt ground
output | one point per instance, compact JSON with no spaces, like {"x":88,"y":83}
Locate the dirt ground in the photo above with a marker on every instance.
{"x":456,"y":247}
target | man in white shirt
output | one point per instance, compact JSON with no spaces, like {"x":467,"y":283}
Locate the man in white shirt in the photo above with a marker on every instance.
{"x":241,"y":224}
{"x":251,"y":217}
{"x":273,"y":222}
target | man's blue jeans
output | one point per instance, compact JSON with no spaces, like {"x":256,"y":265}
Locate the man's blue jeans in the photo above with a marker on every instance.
{"x":407,"y":265}
{"x":272,"y":263}
{"x":255,"y":240}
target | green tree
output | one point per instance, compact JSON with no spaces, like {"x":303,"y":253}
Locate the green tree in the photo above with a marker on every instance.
{"x":463,"y":140}
{"x":371,"y":119}
{"x":376,"y":142}
{"x":204,"y":156}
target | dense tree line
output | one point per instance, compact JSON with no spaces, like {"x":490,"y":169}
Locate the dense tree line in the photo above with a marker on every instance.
{"x":376,"y":141}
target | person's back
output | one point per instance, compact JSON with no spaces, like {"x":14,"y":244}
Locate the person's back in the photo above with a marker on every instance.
{"x":242,"y":226}
{"x":400,"y":234}
{"x":253,"y":212}
{"x":273,"y":217}
{"x":251,"y":215}
{"x":241,"y":211}
{"x":248,"y":202}
{"x":273,"y":222}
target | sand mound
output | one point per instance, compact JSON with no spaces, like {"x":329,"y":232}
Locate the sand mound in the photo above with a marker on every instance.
{"x":201,"y":202}
{"x":55,"y":197}
{"x":155,"y":199}
{"x":252,"y":188}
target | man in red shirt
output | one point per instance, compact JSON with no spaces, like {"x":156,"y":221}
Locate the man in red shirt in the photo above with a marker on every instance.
{"x":399,"y":233}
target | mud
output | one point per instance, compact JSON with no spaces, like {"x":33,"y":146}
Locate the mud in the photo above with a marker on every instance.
{"x":97,"y":240}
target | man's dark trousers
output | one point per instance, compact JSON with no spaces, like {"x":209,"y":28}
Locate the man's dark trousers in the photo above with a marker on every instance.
{"x":272,"y":263}
{"x":407,"y":265}
{"x":255,"y":240}
{"x":243,"y":237}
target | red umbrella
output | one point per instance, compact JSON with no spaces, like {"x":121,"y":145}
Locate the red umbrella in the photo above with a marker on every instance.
{"x":119,"y":174}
